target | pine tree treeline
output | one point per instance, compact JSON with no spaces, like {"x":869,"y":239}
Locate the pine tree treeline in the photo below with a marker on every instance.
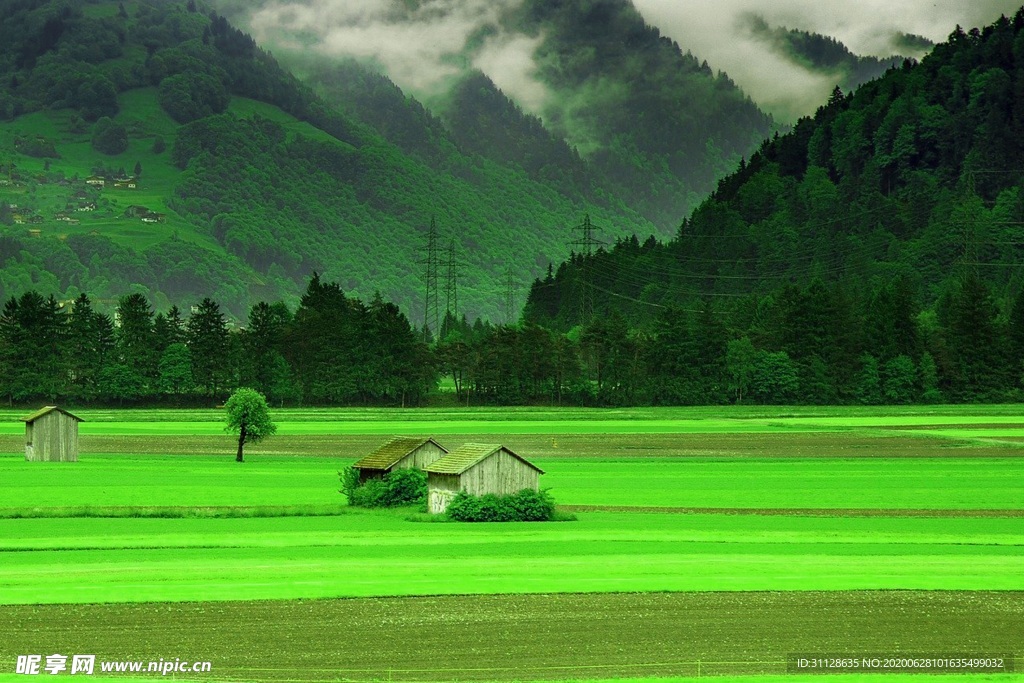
{"x":810,"y":345}
{"x":331,"y":350}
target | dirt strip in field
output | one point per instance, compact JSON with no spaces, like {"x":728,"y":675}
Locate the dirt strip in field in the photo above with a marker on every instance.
{"x":798,"y":512}
{"x":523,"y":637}
{"x":756,"y":445}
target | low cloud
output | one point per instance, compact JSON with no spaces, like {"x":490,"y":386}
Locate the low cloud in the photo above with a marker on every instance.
{"x":508,"y":61}
{"x":719,"y":32}
{"x":423,"y":44}
{"x":419,"y":44}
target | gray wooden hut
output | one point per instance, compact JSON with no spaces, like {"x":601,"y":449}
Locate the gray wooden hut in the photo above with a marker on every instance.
{"x":478,"y":469}
{"x":399,"y":453}
{"x":51,"y":435}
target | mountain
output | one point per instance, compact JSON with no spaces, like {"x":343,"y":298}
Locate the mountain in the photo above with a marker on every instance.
{"x":652,"y":126}
{"x":826,"y":55}
{"x":246,"y":180}
{"x":477,"y":121}
{"x":882,"y":235}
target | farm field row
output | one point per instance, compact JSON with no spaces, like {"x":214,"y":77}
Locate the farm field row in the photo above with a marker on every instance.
{"x":567,"y":426}
{"x":382,"y":553}
{"x":932,"y":414}
{"x":529,"y":637}
{"x":979,"y":483}
{"x":701,"y":419}
{"x":539,"y":445}
{"x":788,"y":678}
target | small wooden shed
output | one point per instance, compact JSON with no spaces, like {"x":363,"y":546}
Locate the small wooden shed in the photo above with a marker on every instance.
{"x":51,"y":435}
{"x":478,"y":469}
{"x":399,"y":453}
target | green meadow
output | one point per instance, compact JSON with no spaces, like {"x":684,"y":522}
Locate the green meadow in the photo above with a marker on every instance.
{"x":725,"y":507}
{"x":378,"y":554}
{"x":156,"y":480}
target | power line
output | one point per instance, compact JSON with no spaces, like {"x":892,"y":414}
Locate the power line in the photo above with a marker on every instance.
{"x":586,"y":243}
{"x":451,"y":287}
{"x":511,"y":294}
{"x":430,"y":310}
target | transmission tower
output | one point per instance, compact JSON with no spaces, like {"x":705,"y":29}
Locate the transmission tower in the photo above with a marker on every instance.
{"x":970,"y":229}
{"x":451,"y":287}
{"x":586,"y":243}
{"x":430,"y":310}
{"x":511,"y":294}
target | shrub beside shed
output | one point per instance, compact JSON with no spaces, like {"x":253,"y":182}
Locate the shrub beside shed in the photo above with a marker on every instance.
{"x":51,"y":435}
{"x":478,"y":469}
{"x":399,"y":453}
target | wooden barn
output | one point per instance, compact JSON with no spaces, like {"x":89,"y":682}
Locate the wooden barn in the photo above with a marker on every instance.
{"x":478,"y":469}
{"x":51,"y":435}
{"x":399,"y":453}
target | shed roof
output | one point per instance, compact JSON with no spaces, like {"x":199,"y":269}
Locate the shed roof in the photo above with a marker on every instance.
{"x":469,"y":454}
{"x":393,"y":451}
{"x":48,"y":409}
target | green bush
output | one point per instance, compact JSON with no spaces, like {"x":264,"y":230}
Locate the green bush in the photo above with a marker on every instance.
{"x":526,"y":506}
{"x":397,"y":488}
{"x":109,"y":137}
{"x":188,"y":97}
{"x":349,"y":482}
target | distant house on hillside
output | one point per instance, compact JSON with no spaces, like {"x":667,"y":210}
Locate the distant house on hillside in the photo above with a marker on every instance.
{"x":135,"y":211}
{"x":96,"y":181}
{"x":478,"y":469}
{"x":51,"y":435}
{"x":153,"y":217}
{"x":399,"y":453}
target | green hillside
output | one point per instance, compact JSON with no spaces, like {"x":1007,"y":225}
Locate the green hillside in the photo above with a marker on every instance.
{"x":872,"y":254}
{"x":255,"y":180}
{"x":627,"y":115}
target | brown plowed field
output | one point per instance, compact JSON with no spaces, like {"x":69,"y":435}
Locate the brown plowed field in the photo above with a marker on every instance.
{"x":753,"y":445}
{"x":523,"y":637}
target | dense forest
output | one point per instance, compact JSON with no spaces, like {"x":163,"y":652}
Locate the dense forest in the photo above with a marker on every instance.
{"x":331,"y":349}
{"x":877,"y":245}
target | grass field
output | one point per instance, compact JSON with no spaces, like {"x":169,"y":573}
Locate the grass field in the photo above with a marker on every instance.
{"x":720,"y":539}
{"x":884,"y":483}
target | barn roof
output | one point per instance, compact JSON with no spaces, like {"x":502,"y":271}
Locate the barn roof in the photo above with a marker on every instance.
{"x":45,"y":411}
{"x":393,"y":451}
{"x":469,"y":454}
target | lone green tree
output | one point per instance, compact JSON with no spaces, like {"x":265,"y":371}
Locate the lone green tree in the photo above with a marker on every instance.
{"x":248,"y":417}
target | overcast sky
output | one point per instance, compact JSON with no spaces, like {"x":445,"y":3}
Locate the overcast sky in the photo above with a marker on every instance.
{"x":423,"y":52}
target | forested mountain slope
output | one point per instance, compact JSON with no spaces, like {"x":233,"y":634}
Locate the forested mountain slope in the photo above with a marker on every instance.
{"x":885,"y":229}
{"x":246,"y":180}
{"x":827,"y":56}
{"x":625,"y":112}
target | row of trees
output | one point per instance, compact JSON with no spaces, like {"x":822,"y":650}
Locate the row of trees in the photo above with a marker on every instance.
{"x":818,"y":343}
{"x":331,"y":349}
{"x":811,"y":344}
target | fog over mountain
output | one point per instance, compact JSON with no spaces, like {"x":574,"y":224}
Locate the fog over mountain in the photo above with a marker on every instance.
{"x":424,"y":44}
{"x":720,"y":33}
